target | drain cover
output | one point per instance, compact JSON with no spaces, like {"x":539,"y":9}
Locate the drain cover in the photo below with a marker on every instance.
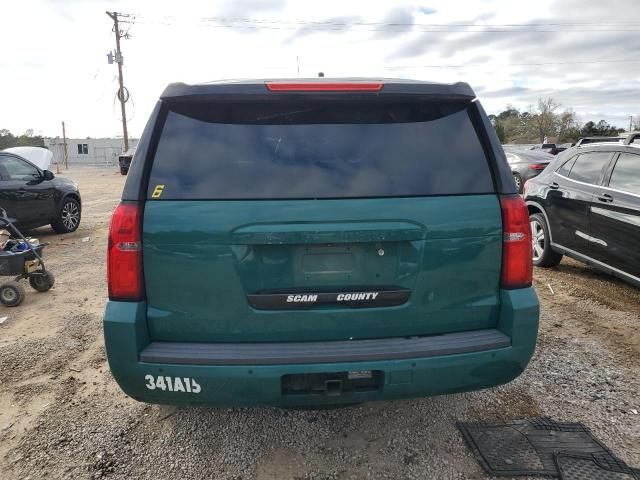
{"x":527,"y":447}
{"x":579,"y":466}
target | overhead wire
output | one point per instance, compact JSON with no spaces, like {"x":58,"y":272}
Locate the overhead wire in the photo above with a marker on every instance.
{"x":332,"y":25}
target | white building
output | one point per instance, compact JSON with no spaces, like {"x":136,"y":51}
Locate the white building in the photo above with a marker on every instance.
{"x":88,"y":151}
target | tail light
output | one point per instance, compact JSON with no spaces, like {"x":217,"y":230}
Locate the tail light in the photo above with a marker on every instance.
{"x":124,"y":254}
{"x":517,"y":266}
{"x":538,"y":166}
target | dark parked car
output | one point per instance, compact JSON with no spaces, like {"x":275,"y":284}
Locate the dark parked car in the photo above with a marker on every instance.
{"x":526,"y":164}
{"x":587,"y":140}
{"x":586,"y":205}
{"x":550,"y":148}
{"x":124,"y":160}
{"x":318,"y":242}
{"x":633,"y":137}
{"x":34,"y":196}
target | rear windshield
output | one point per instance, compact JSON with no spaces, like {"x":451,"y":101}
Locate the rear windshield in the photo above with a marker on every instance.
{"x":296,"y":151}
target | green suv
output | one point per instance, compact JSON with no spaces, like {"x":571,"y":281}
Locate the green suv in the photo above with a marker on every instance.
{"x":318,"y":242}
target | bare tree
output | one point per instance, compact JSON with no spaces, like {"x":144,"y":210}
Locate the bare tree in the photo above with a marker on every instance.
{"x":544,"y":120}
{"x":567,"y":126}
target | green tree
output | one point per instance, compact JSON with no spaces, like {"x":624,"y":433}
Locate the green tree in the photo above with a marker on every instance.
{"x":27,"y":139}
{"x":600,"y":129}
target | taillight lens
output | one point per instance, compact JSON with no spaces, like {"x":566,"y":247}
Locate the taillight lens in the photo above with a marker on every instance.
{"x":517,"y":266}
{"x":324,"y":86}
{"x":537,"y":166}
{"x":124,"y":255}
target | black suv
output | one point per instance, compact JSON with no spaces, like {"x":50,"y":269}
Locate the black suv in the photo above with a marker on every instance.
{"x":586,"y":204}
{"x":34,"y":197}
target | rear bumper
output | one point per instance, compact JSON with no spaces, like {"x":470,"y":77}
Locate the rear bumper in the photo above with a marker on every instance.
{"x":252,"y":374}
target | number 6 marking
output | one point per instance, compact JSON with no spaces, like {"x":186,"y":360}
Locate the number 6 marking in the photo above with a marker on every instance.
{"x":157,"y":191}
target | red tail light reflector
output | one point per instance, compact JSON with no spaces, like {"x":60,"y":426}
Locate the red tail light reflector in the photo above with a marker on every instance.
{"x":537,"y":166}
{"x":124,"y":254}
{"x":324,"y":86}
{"x":517,"y":266}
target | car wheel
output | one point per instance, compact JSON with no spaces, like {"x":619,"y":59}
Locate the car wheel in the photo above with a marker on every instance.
{"x":11,"y":294}
{"x":543,"y":255}
{"x":68,"y":217}
{"x":124,"y":170}
{"x":519,"y":183}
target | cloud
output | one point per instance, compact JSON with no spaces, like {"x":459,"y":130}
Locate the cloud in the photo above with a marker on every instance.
{"x":446,"y":43}
{"x":427,"y":10}
{"x":333,"y":25}
{"x":399,"y":20}
{"x":248,"y":8}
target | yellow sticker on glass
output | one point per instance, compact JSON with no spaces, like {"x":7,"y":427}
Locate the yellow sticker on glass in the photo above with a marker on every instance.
{"x":157,"y":191}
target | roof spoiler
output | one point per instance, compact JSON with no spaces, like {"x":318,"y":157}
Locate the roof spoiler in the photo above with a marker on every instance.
{"x":176,"y":92}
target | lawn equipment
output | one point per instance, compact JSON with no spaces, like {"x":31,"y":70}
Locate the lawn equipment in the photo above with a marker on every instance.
{"x":20,"y":258}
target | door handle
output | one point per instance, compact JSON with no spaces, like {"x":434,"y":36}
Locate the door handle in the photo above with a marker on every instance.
{"x":22,"y":191}
{"x":554,"y":185}
{"x":605,"y":197}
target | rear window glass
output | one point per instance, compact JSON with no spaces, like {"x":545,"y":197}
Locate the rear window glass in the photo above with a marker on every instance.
{"x":345,"y":151}
{"x":588,"y":167}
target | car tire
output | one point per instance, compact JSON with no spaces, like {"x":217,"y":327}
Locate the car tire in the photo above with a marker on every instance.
{"x":42,"y":282}
{"x":68,"y":218}
{"x":124,"y":170}
{"x":543,"y":254}
{"x":519,"y":183}
{"x":11,"y":294}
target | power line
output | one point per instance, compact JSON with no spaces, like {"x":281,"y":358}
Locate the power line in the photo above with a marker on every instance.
{"x":393,"y":67}
{"x":394,"y":24}
{"x":268,"y":24}
{"x":419,"y":30}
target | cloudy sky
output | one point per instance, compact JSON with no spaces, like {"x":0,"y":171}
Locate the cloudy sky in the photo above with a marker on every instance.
{"x":53,"y":66}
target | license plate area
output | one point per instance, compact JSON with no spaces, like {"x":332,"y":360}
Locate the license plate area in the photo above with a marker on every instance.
{"x":332,"y":384}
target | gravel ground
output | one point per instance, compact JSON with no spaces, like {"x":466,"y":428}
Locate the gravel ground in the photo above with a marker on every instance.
{"x":62,"y":415}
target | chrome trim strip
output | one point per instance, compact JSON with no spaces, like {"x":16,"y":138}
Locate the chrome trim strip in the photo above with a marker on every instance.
{"x":578,"y":181}
{"x":593,"y":260}
{"x":620,"y":191}
{"x":591,"y":239}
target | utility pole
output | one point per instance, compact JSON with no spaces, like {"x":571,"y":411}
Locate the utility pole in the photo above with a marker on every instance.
{"x":123,"y":95}
{"x":630,"y":122}
{"x":64,"y":140}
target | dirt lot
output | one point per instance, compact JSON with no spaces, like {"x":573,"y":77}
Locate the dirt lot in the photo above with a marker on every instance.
{"x":62,"y":415}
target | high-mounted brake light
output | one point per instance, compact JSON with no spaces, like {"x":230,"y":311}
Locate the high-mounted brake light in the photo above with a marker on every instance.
{"x":517,"y":266}
{"x":124,"y":254}
{"x":324,"y":86}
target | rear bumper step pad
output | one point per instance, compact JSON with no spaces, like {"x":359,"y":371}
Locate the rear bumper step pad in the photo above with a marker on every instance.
{"x":323,"y":352}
